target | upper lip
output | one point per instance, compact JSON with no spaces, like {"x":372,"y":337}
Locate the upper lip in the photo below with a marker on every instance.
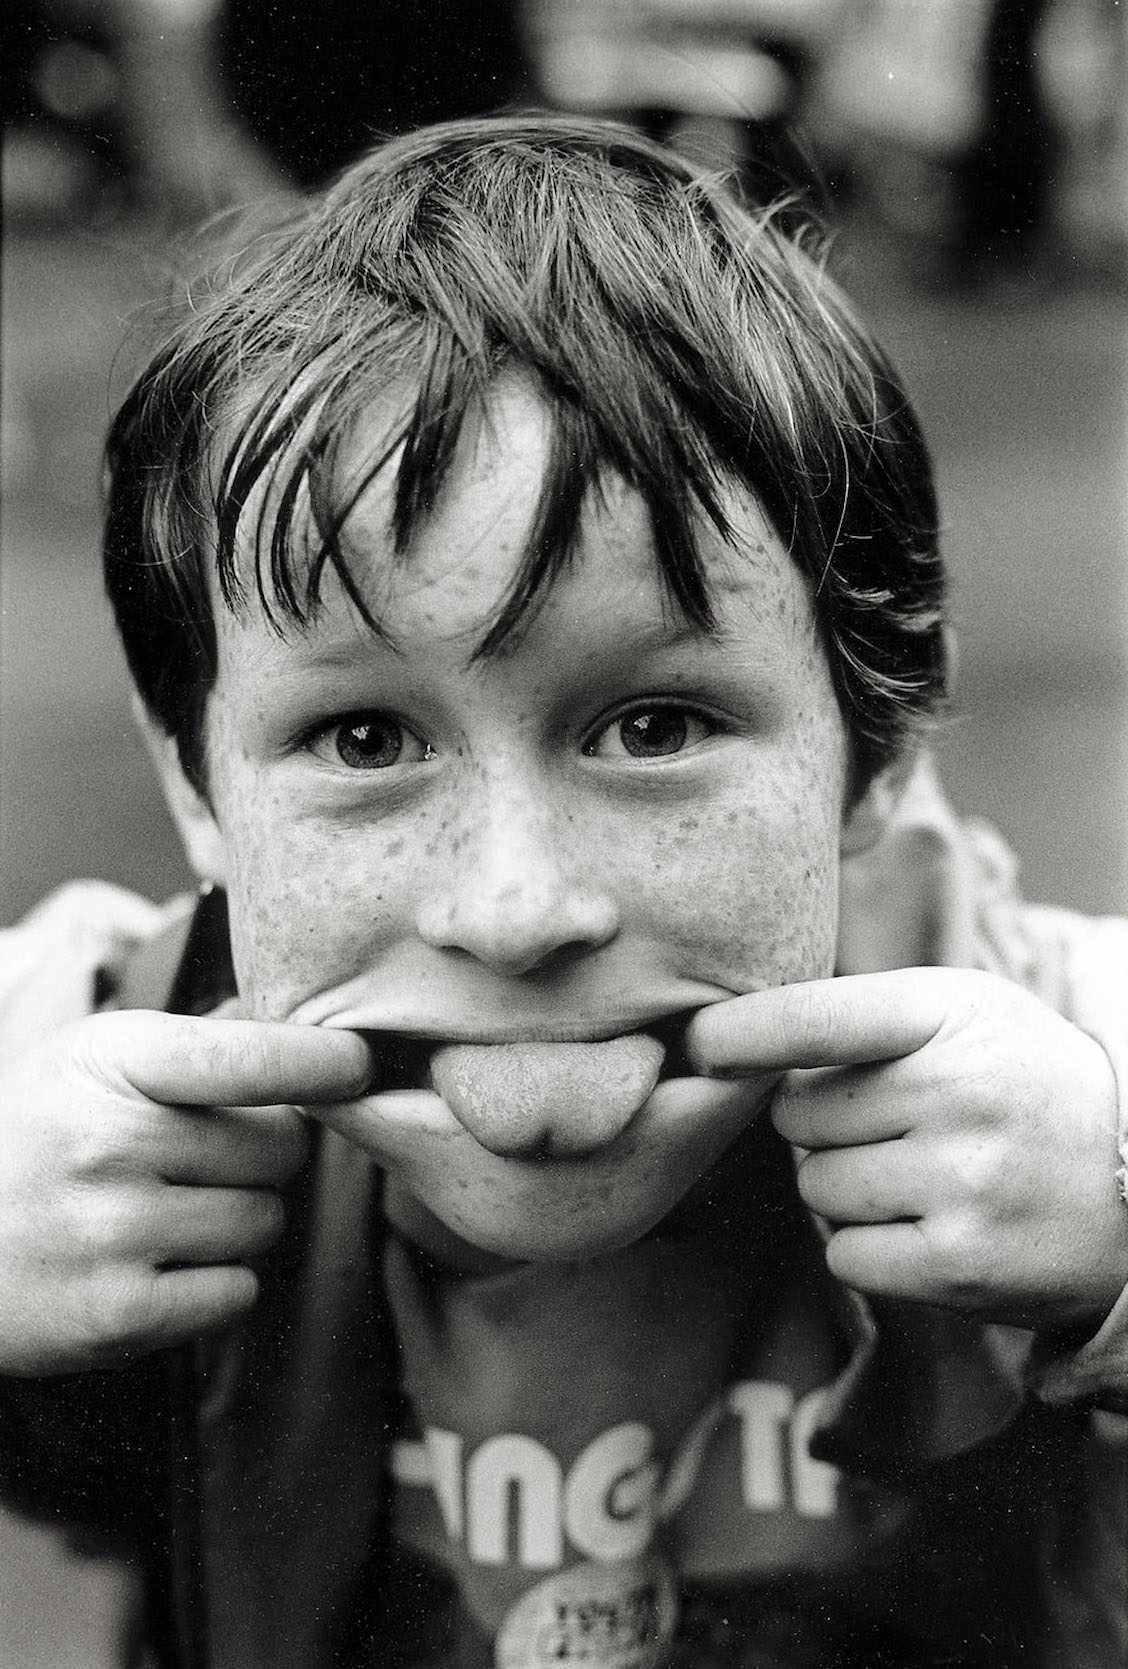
{"x":559,"y":1031}
{"x":421,"y":997}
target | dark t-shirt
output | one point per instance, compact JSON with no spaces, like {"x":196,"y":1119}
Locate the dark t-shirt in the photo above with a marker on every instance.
{"x":609,"y":1466}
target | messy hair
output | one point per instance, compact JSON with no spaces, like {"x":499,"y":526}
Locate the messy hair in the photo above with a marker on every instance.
{"x":679,"y":339}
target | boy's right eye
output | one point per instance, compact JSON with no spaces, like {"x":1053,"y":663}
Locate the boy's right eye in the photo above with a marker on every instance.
{"x":369,"y":741}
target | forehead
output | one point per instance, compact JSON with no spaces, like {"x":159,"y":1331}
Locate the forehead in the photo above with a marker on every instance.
{"x":451,"y":583}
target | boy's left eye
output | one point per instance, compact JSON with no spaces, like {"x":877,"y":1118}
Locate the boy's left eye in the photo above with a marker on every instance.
{"x":369,"y":741}
{"x":651,"y":733}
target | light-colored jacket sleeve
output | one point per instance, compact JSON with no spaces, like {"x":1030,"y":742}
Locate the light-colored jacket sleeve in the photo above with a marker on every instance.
{"x":941,"y":891}
{"x":56,"y":965}
{"x":59,"y":962}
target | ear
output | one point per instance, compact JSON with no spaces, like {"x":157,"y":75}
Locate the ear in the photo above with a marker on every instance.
{"x":868,"y":817}
{"x":195,"y":821}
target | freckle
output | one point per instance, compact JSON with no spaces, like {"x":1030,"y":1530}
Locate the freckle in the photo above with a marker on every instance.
{"x":393,"y":849}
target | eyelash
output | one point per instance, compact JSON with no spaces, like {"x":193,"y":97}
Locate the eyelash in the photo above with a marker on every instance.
{"x":646,"y":709}
{"x":327,"y":735}
{"x":370,"y":718}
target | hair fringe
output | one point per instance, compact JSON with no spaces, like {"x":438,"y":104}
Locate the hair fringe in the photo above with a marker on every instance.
{"x":680,"y":339}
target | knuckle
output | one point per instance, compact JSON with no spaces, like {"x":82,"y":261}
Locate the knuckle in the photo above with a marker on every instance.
{"x":103,"y":1046}
{"x":91,"y":1150}
{"x":94,"y":1224}
{"x":966,"y":995}
{"x":130,"y":1313}
{"x":264,"y":1056}
{"x":962,"y":1277}
{"x":805,"y":1027}
{"x":981,"y":1173}
{"x":105,"y":1144}
{"x":107,"y":1032}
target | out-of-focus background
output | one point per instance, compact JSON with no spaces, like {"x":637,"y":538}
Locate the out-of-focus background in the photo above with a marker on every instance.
{"x":971,"y":157}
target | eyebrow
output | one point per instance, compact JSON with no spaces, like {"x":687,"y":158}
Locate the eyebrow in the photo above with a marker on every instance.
{"x":314,"y":653}
{"x":672,"y":634}
{"x":340,"y":651}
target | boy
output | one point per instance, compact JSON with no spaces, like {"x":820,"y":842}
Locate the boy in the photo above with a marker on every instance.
{"x":528,"y":570}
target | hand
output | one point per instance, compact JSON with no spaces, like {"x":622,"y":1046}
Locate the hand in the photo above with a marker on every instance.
{"x":140,"y":1158}
{"x":958,"y":1136}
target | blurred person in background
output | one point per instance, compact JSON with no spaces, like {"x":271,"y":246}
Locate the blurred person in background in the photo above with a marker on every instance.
{"x":726,"y":79}
{"x":116,"y":107}
{"x":316,"y":84}
{"x":975,"y":127}
{"x":1003,"y":182}
{"x":993,"y":130}
{"x":194,"y":104}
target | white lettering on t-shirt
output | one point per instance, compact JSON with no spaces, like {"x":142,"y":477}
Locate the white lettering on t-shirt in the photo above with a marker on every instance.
{"x":521,"y":1470}
{"x":511,"y":1498}
{"x":763,"y":1409}
{"x":444,"y":1451}
{"x":689,"y":1457}
{"x":611,"y":1493}
{"x":814,"y":1483}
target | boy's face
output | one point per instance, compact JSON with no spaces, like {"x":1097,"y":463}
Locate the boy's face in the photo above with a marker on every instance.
{"x":616,"y":819}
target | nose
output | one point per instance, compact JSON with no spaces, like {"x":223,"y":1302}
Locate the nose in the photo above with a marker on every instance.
{"x":512,"y":890}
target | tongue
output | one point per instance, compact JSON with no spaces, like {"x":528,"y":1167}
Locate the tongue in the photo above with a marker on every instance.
{"x":547,"y":1099}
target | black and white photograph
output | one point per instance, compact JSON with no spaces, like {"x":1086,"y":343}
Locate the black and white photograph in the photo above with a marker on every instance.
{"x":564,"y":834}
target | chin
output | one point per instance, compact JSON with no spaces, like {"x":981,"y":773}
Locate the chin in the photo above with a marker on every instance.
{"x":570,"y":1209}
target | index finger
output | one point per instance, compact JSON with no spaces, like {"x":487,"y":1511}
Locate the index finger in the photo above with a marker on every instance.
{"x":200,"y":1062}
{"x":847,"y":1021}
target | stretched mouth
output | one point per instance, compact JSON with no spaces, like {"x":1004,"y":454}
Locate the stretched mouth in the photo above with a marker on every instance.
{"x":538,"y":1098}
{"x":404,"y":1059}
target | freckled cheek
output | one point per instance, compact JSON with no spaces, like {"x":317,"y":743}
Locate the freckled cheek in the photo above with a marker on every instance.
{"x":310,"y":906}
{"x":744,"y":891}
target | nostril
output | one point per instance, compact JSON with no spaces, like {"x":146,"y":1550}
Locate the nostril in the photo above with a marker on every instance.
{"x":559,"y":957}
